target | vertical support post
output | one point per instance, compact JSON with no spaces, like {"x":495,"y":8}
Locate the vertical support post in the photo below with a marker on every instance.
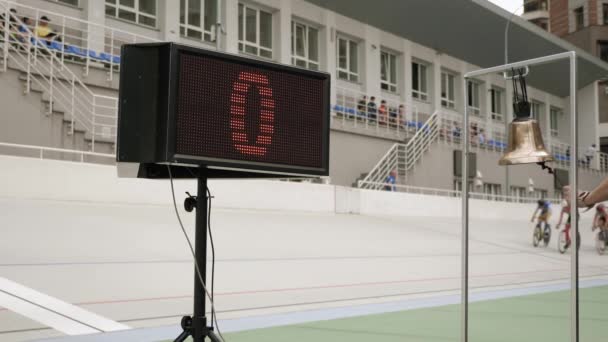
{"x":36,"y":38}
{"x":199,"y":320}
{"x":72,"y":109}
{"x":573,"y":200}
{"x":28,"y":80}
{"x":93,"y":130}
{"x":464,"y":305}
{"x":51,"y":86}
{"x":6,"y":24}
{"x":63,"y":43}
{"x":111,"y":55}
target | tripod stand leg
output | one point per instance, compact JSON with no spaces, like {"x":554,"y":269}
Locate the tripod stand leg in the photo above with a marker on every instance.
{"x":213,"y":336}
{"x":182,"y":337}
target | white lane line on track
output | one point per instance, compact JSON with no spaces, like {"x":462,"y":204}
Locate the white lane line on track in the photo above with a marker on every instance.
{"x":49,"y":311}
{"x":275,"y":320}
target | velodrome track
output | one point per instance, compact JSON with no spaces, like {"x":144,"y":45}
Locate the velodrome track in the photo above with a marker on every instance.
{"x":130,"y":263}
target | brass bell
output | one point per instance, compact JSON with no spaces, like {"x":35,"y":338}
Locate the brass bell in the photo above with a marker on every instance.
{"x":525,"y":139}
{"x":525,"y":144}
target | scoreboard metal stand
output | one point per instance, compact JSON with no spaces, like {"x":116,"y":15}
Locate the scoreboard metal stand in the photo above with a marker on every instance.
{"x":196,"y":326}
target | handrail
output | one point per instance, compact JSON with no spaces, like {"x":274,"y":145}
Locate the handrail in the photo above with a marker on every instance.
{"x":411,"y":153}
{"x":456,"y":193}
{"x":42,"y":149}
{"x":91,"y":110}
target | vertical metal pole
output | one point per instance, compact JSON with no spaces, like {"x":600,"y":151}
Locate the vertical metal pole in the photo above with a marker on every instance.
{"x":51,"y":86}
{"x":93,"y":128}
{"x":199,"y":320}
{"x":62,"y":43}
{"x":72,"y":111}
{"x":573,"y":200}
{"x":111,"y":55}
{"x":464,"y":305}
{"x":6,"y":24}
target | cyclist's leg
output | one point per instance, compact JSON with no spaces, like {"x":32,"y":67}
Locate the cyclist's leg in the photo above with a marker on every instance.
{"x":567,"y":231}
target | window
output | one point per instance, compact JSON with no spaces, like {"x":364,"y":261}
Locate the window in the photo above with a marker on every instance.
{"x":492,"y":190}
{"x":555,"y":114}
{"x":535,"y":110}
{"x":497,"y":96}
{"x":348,"y":53}
{"x":602,"y":49}
{"x":531,"y":6}
{"x":304,"y":46}
{"x":419,"y":86}
{"x":67,"y":2}
{"x":197,"y":19}
{"x":473,"y":98}
{"x":458,"y":184}
{"x":519,"y":192}
{"x":255,"y":31}
{"x":138,"y":11}
{"x":540,"y":193}
{"x":579,"y":18}
{"x":388,"y":71}
{"x":447,"y":90}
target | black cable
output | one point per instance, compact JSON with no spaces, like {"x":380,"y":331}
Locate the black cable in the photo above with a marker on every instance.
{"x":209,"y":197}
{"x":196,"y":266}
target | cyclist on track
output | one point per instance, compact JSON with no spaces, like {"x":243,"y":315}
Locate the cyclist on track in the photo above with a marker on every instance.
{"x":544,"y":207}
{"x":566,"y":210}
{"x":600,"y":219}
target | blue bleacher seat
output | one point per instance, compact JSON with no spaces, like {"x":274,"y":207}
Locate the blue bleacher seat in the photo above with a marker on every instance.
{"x":351,"y":111}
{"x":76,"y":50}
{"x":56,"y":46}
{"x":116,"y":59}
{"x":105,"y":57}
{"x":94,"y":54}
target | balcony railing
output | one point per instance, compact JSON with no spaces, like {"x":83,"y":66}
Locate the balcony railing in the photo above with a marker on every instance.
{"x":355,"y":109}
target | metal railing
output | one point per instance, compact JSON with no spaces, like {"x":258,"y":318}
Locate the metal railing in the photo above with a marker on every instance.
{"x":44,"y":68}
{"x":403,"y":157}
{"x":450,"y":193}
{"x":82,"y":41}
{"x":355,"y":109}
{"x":483,"y":135}
{"x":603,"y":161}
{"x":42,"y":152}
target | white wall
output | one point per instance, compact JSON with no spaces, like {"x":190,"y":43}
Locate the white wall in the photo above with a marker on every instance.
{"x":57,"y":180}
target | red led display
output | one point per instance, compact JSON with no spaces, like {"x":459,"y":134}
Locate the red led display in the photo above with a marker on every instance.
{"x":230,"y":110}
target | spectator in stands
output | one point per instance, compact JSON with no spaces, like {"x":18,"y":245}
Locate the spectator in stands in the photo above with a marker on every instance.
{"x":402,"y":118}
{"x":27,"y":24}
{"x":361,"y":105}
{"x":390,"y":181}
{"x":482,"y":137}
{"x":392,"y":116}
{"x":372,"y":110}
{"x":12,"y":22}
{"x":456,"y":131}
{"x":568,"y":152}
{"x":474,"y":132}
{"x":44,"y":30}
{"x":591,"y":151}
{"x":382,"y":112}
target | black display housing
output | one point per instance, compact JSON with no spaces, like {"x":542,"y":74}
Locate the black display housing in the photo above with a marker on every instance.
{"x":176,"y":108}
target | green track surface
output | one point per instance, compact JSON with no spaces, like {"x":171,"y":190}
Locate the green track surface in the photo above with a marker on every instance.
{"x":534,"y":318}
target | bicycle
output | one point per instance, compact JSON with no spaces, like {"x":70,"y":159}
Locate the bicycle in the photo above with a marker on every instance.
{"x":563,"y":244}
{"x":540,"y":234}
{"x":601,"y":240}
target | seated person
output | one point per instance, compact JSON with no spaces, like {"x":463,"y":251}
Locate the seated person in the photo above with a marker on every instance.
{"x":43,"y":30}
